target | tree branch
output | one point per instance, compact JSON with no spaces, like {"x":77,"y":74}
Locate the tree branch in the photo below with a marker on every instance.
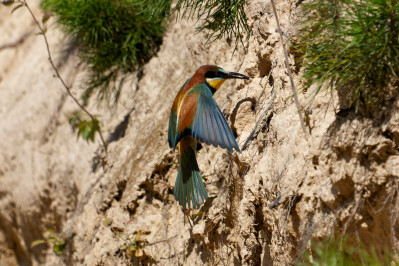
{"x":43,"y":32}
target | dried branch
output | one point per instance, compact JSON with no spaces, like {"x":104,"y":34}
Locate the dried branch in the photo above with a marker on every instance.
{"x":298,"y":105}
{"x":67,"y":88}
{"x":265,"y":111}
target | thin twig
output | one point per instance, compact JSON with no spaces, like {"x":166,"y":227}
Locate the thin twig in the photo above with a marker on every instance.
{"x":298,"y":105}
{"x":162,"y":240}
{"x":260,"y":120}
{"x":270,"y":107}
{"x":42,"y":31}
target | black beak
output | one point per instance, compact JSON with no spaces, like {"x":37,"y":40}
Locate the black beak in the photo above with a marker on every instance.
{"x":233,"y":75}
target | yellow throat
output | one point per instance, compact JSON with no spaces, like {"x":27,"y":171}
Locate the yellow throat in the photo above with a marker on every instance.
{"x":215,"y":83}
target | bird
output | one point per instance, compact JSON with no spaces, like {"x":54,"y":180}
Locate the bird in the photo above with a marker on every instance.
{"x":195,"y":118}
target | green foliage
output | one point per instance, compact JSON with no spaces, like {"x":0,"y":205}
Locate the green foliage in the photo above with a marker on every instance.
{"x":117,"y":37}
{"x":335,"y":251}
{"x":54,"y":240}
{"x":132,"y":245}
{"x":86,"y":128}
{"x":114,"y":38}
{"x":225,"y":18}
{"x":351,"y":44}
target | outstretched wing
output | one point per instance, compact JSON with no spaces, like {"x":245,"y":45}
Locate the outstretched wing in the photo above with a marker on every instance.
{"x":208,"y":124}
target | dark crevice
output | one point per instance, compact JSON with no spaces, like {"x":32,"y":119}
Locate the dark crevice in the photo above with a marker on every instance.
{"x":259,"y":227}
{"x":264,"y":66}
{"x":235,"y":111}
{"x":121,"y":185}
{"x":132,"y":206}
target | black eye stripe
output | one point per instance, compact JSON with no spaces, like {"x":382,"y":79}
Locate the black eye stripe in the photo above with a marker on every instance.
{"x":210,"y":74}
{"x":215,"y":74}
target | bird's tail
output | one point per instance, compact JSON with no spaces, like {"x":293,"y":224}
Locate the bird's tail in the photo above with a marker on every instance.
{"x":189,"y":189}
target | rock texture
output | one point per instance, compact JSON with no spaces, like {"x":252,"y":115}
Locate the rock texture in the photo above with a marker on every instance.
{"x":265,"y":203}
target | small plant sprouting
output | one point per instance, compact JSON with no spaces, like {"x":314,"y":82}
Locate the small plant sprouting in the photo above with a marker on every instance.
{"x":86,"y":127}
{"x":197,"y":214}
{"x":43,"y":29}
{"x":134,"y":246}
{"x":191,"y":215}
{"x":57,"y":241}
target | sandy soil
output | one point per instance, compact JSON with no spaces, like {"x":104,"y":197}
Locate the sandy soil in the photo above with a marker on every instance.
{"x":341,"y":178}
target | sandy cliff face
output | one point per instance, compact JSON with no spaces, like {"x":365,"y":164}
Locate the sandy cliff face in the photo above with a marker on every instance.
{"x":343,"y":177}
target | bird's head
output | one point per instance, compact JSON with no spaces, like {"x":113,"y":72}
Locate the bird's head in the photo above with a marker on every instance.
{"x":215,"y":76}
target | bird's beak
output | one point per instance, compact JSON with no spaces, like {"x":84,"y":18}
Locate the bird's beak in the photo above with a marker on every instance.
{"x":233,"y":75}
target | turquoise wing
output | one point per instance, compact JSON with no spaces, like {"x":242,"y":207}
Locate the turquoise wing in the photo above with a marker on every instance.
{"x":189,"y":189}
{"x":172,"y":130}
{"x":209,"y":124}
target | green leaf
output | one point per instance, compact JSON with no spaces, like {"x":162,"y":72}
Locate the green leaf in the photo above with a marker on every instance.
{"x":86,"y":128}
{"x":120,"y":235}
{"x":58,"y":249}
{"x":42,"y":32}
{"x":194,"y":215}
{"x":107,"y":221}
{"x":51,"y":239}
{"x":85,"y":132}
{"x":60,"y":243}
{"x":95,"y":126}
{"x":46,"y":17}
{"x":37,"y":242}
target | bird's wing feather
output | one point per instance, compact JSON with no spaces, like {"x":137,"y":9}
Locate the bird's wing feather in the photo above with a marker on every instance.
{"x":172,"y":129}
{"x":189,"y":188}
{"x":208,"y":124}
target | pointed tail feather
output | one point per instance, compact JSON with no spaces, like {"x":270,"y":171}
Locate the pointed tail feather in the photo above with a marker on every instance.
{"x":189,"y":190}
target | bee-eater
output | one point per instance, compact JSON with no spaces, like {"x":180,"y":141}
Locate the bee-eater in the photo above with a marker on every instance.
{"x":195,"y":117}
